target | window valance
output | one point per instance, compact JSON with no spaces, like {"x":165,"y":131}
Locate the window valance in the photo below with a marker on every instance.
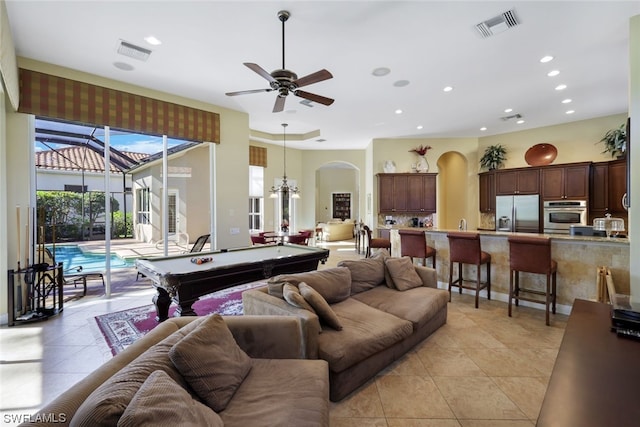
{"x":257,"y":156}
{"x":60,"y":98}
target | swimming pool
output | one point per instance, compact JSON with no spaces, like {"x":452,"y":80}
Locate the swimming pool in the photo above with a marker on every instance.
{"x":72,"y":257}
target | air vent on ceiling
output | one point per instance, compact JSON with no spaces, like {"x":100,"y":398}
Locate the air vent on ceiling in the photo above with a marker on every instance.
{"x":133,"y":51}
{"x":512,"y":117}
{"x":498,"y":24}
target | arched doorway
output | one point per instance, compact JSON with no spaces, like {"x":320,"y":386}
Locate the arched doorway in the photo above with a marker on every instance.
{"x":453,"y":190}
{"x":337,"y":191}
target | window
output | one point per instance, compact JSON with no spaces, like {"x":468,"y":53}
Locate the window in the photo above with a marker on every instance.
{"x":75,"y":188}
{"x":256,"y":198}
{"x":143,"y":204}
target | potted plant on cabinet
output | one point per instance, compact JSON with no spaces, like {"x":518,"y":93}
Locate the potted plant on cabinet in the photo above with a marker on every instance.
{"x":493,"y":157}
{"x":615,"y":141}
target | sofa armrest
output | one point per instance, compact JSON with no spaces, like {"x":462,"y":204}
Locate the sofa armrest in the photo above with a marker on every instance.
{"x":428,"y":275}
{"x":259,"y":302}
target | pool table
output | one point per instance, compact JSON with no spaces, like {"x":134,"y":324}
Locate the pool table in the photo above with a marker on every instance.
{"x":178,"y":279}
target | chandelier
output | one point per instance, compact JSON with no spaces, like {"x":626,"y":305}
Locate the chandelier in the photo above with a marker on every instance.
{"x":284,"y":189}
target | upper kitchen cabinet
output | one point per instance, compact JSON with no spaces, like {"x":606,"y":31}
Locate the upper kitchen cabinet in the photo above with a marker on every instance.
{"x":608,"y":186}
{"x":565,"y":182}
{"x":487,"y":187}
{"x":407,"y":193}
{"x":517,"y":181}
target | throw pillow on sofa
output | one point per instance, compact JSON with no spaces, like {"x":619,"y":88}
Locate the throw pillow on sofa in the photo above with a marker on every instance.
{"x":293,"y":296}
{"x":211,"y":362}
{"x":156,"y":401}
{"x":403,"y":273}
{"x":320,"y":305}
{"x":366,"y":273}
{"x":334,"y":284}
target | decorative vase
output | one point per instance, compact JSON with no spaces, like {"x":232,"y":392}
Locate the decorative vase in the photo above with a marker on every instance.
{"x":389,"y":166}
{"x":423,"y":165}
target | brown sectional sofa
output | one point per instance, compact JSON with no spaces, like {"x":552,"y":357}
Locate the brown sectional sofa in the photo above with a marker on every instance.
{"x":381,"y":314}
{"x":277,"y":387}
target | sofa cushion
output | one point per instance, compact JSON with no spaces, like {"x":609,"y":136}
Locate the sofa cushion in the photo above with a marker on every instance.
{"x":366,"y":273}
{"x":211,"y":362}
{"x":366,"y":331}
{"x":106,"y":404}
{"x":156,"y":401}
{"x":281,"y":392}
{"x":402,"y":273}
{"x":293,"y":296}
{"x":418,"y":305}
{"x":320,"y":306}
{"x":334,"y":284}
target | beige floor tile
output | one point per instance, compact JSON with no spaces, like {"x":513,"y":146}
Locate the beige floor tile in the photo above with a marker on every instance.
{"x":411,"y":397}
{"x":475,"y":337}
{"x":363,"y":403}
{"x":410,"y":364}
{"x":496,"y":423}
{"x":358,"y":422}
{"x":502,"y":362}
{"x":526,"y":392}
{"x":405,"y":422}
{"x":477,"y":398}
{"x":441,"y":361}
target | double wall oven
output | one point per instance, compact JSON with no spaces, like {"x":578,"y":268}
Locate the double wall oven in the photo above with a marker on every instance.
{"x":560,"y":215}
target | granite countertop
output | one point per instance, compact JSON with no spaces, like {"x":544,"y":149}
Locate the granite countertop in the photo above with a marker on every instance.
{"x":565,"y":237}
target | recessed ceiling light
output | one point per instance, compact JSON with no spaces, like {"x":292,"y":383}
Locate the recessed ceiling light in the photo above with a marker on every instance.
{"x":520,"y":122}
{"x":561,"y":87}
{"x":570,"y":112}
{"x":566,"y":101}
{"x":553,"y":73}
{"x":398,"y":111}
{"x":152,"y":40}
{"x":483,"y":129}
{"x":508,"y":110}
{"x":546,"y":59}
{"x":448,"y":88}
{"x":401,"y":83}
{"x":123,"y":66}
{"x":381,"y":71}
{"x":419,"y":127}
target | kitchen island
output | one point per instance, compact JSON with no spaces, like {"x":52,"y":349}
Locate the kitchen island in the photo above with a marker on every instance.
{"x":578,"y":258}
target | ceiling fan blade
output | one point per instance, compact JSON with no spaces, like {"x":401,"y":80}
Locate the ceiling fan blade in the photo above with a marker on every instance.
{"x":258,"y":69}
{"x":316,"y":77}
{"x":244,"y":92}
{"x":313,"y":97}
{"x":279,"y":105}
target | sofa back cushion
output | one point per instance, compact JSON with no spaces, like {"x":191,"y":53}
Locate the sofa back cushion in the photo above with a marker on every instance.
{"x":403,"y":273}
{"x":334,"y":284}
{"x":366,"y":273}
{"x":156,"y":401}
{"x":211,"y":362}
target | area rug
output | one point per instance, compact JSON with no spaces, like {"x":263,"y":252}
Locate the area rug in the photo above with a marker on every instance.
{"x":121,"y":328}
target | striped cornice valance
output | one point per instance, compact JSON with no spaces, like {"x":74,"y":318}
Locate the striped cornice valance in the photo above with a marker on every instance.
{"x":257,"y":156}
{"x":64,"y":99}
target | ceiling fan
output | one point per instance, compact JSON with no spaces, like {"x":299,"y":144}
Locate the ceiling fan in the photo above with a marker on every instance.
{"x":285,"y":81}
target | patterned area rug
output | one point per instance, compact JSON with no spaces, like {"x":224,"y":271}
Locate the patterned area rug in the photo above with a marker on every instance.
{"x":122,"y":328}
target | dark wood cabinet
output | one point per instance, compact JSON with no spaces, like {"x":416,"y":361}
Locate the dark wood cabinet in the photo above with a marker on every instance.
{"x":617,"y":187}
{"x":565,"y":182}
{"x":517,"y":181}
{"x":341,"y":205}
{"x":407,"y":193}
{"x":608,"y":186}
{"x":487,"y":186}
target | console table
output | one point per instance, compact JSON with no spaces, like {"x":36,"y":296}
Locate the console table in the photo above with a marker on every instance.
{"x":596,"y":377}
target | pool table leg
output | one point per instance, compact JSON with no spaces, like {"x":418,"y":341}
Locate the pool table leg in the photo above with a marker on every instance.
{"x":162,"y":301}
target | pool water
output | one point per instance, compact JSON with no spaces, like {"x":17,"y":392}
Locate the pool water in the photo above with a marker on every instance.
{"x":72,"y":257}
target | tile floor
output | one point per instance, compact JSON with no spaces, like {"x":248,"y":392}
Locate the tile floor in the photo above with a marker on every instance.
{"x":480,"y":369}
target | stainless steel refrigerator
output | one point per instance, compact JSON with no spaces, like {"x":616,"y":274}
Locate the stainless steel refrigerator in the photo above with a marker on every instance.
{"x":518,"y":213}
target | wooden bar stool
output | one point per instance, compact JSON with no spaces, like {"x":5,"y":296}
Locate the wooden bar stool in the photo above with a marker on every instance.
{"x":532,"y":255}
{"x":464,"y":248}
{"x":413,"y":243}
{"x":375,"y":243}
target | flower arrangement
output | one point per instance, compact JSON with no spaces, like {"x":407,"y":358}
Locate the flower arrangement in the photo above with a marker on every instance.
{"x":421,"y":150}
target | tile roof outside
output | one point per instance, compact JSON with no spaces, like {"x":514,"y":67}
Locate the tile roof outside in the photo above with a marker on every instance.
{"x":78,"y":158}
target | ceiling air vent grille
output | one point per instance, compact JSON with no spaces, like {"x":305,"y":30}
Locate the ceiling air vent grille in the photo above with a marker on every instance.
{"x":133,"y":51}
{"x":498,"y":24}
{"x":512,"y":117}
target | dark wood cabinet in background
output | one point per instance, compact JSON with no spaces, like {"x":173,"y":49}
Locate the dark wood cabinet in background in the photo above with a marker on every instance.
{"x":487,"y":192}
{"x":570,"y":182}
{"x":517,"y":181}
{"x":407,"y":193}
{"x":341,"y":205}
{"x":608,"y":185}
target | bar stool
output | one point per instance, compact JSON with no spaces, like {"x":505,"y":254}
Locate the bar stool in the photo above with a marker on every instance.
{"x":375,"y":243}
{"x":413,"y":243}
{"x":464,"y":248}
{"x":532,"y":255}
